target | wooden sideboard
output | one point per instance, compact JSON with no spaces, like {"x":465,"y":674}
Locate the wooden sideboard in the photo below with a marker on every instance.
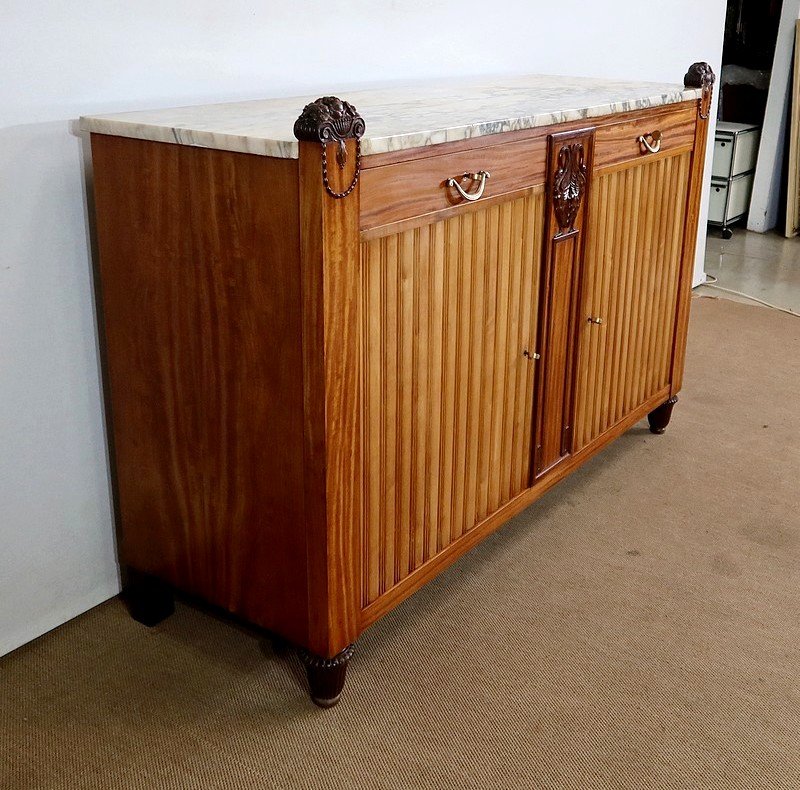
{"x":333,"y":369}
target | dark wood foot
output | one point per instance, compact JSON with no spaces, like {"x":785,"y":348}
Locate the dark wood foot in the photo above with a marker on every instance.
{"x":659,"y":418}
{"x":326,"y":675}
{"x":149,"y":599}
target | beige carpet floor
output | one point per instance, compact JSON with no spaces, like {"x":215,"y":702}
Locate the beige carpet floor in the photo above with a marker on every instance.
{"x":637,"y":628}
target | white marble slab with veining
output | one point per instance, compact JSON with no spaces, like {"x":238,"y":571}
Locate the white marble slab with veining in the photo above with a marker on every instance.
{"x":397,"y":118}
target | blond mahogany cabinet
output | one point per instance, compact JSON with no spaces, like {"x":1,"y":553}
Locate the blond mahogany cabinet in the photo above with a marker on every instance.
{"x":341,"y":350}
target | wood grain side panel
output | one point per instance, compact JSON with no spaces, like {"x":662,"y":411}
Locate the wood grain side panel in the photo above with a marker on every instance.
{"x":448,"y":310}
{"x":200,"y":278}
{"x":631,"y":276}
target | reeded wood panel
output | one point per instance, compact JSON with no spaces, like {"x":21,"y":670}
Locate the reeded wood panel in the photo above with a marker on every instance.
{"x":448,"y":311}
{"x":631,"y":271}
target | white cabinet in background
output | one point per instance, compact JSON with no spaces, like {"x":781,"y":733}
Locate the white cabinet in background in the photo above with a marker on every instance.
{"x":735,"y":154}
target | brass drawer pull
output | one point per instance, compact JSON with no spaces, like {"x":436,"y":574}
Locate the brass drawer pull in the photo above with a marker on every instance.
{"x":653,"y":147}
{"x":480,"y":177}
{"x":594,"y":320}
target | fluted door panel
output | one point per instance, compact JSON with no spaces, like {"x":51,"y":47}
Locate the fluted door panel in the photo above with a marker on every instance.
{"x":630,"y":290}
{"x":448,"y":311}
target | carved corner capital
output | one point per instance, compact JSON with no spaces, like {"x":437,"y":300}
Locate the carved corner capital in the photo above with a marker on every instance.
{"x":329,"y":120}
{"x":701,"y":75}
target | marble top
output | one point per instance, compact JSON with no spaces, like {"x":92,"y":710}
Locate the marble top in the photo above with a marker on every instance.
{"x":399,"y":117}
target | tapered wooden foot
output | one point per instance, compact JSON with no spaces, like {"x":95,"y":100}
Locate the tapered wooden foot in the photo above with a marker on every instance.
{"x":659,"y":418}
{"x":149,"y":599}
{"x":326,"y":676}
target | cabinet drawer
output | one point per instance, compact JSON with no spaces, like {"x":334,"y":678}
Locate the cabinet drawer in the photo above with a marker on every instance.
{"x":721,"y":165}
{"x":716,"y":203}
{"x":735,"y":149}
{"x":745,"y":152}
{"x":619,"y":142}
{"x":395,"y":192}
{"x":730,"y":199}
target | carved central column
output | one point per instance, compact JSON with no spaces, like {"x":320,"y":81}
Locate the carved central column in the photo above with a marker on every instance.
{"x":569,"y":169}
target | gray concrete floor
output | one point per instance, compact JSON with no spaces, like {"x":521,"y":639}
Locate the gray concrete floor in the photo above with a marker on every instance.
{"x":765,"y":265}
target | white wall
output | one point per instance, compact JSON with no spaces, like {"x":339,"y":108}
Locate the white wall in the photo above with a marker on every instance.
{"x":60,"y":60}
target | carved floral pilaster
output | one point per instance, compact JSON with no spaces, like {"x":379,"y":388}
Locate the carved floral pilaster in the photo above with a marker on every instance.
{"x":569,"y":185}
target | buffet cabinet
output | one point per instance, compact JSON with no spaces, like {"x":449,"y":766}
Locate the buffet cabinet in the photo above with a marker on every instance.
{"x":330,"y":376}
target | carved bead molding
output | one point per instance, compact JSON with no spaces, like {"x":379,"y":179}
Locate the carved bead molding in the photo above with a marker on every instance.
{"x":318,"y":662}
{"x":331,"y":120}
{"x":569,"y":185}
{"x":326,"y":676}
{"x":701,"y":75}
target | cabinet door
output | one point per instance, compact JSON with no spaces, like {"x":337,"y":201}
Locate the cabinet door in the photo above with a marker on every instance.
{"x":448,"y":310}
{"x":630,"y":290}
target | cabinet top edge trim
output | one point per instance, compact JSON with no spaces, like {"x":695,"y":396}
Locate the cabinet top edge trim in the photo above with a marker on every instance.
{"x":398,"y":118}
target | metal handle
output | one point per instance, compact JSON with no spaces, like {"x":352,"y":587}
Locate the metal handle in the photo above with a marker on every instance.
{"x":594,"y":320}
{"x":480,"y":177}
{"x":527,"y":354}
{"x":653,"y":147}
